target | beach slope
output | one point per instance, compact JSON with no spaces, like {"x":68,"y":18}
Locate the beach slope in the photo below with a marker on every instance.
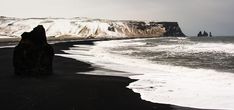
{"x":66,"y":90}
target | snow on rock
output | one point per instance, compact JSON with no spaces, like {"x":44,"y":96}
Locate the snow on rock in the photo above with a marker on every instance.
{"x":88,"y":28}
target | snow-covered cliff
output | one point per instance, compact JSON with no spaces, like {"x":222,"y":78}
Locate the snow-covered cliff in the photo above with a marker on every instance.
{"x":88,"y":28}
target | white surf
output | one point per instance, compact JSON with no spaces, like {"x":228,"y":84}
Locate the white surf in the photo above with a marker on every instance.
{"x":182,"y":86}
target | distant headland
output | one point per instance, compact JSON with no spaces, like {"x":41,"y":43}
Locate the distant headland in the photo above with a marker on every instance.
{"x":89,"y":28}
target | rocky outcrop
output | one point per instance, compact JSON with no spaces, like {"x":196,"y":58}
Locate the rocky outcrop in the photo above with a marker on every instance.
{"x":204,"y":34}
{"x":172,"y":29}
{"x":89,"y":28}
{"x":33,"y":56}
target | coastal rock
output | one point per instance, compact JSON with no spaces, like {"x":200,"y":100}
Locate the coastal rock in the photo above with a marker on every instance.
{"x":90,"y":28}
{"x":33,"y":56}
{"x":204,"y":34}
{"x":172,"y":29}
{"x":199,"y":34}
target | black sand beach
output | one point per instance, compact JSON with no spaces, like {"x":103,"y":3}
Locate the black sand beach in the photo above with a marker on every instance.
{"x":66,"y":90}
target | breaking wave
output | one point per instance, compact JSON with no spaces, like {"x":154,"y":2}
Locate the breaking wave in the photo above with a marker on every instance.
{"x":176,"y":71}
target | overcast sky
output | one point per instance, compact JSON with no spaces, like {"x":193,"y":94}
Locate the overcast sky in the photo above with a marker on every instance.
{"x":216,"y":16}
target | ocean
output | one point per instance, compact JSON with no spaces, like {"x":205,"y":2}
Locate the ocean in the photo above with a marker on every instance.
{"x":184,"y":71}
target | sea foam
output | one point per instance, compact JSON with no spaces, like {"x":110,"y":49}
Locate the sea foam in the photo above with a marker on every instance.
{"x":177,"y":85}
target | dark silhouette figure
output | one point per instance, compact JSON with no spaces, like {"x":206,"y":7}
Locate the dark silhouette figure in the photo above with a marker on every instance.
{"x":33,"y":56}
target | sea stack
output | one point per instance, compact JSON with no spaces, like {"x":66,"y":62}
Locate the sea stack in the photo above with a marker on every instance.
{"x":33,"y":56}
{"x":204,"y":34}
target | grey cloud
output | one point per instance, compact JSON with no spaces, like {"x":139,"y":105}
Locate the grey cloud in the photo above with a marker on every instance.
{"x":193,"y":15}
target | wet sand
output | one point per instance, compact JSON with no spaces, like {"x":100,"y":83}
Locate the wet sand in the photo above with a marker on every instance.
{"x":66,"y":90}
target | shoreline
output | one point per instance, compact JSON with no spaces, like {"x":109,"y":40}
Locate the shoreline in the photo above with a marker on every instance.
{"x":66,"y":90}
{"x":5,"y":41}
{"x":13,"y":41}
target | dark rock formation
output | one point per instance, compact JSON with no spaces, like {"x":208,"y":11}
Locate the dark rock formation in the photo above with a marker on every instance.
{"x":199,"y":34}
{"x":111,"y":28}
{"x":204,"y":34}
{"x":210,"y":34}
{"x":172,"y":29}
{"x":139,"y":25}
{"x":33,"y":56}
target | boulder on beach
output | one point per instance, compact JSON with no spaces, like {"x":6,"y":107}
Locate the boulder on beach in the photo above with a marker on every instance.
{"x":33,"y":56}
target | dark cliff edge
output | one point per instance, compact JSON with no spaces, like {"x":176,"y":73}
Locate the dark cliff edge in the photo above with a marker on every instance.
{"x":172,"y":29}
{"x":154,"y":29}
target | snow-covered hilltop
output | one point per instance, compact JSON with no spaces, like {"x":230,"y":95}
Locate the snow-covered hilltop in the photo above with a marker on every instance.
{"x":88,"y":28}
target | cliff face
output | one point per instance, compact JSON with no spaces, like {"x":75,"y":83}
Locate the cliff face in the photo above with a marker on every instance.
{"x":172,"y":29}
{"x":89,"y":28}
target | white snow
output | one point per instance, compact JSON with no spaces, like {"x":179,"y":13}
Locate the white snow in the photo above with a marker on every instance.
{"x":79,"y":27}
{"x":3,"y":37}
